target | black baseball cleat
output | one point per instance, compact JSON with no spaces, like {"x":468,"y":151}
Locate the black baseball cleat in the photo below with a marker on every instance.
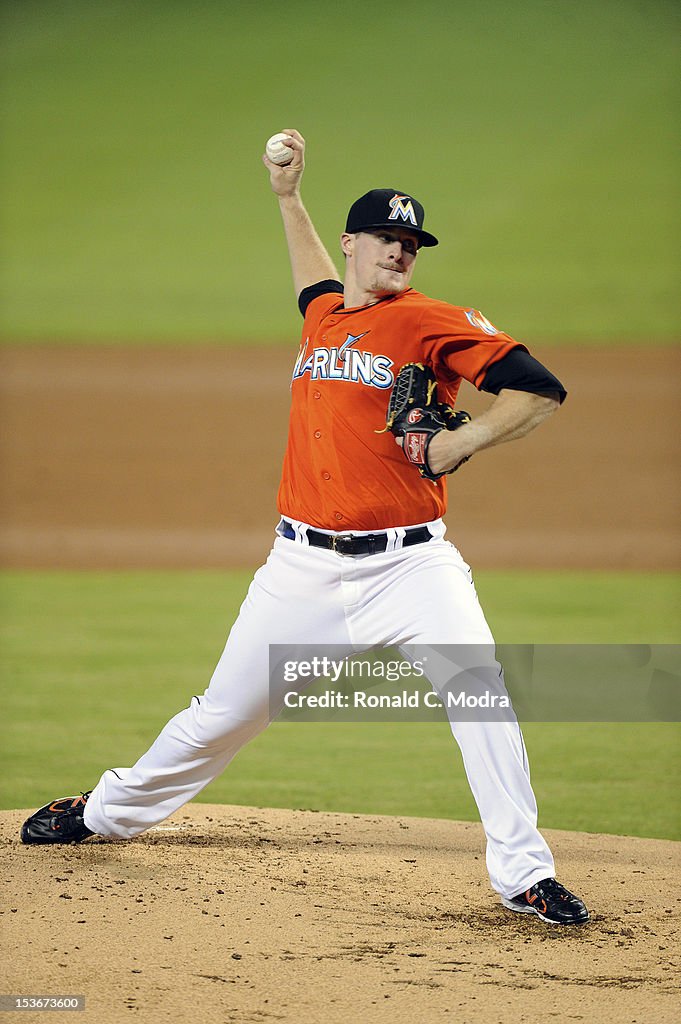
{"x":550,"y":901}
{"x":58,"y":822}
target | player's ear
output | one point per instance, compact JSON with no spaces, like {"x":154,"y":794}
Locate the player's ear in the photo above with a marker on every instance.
{"x":347,"y":243}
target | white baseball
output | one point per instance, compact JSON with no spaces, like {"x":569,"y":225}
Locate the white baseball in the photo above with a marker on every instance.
{"x":276,"y":151}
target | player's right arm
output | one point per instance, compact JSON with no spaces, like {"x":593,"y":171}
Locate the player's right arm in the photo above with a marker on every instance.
{"x":310,"y":262}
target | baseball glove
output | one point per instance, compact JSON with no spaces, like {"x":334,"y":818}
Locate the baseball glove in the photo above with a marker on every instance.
{"x":415,"y":415}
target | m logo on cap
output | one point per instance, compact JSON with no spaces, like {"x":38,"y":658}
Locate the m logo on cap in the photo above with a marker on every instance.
{"x":401,"y":210}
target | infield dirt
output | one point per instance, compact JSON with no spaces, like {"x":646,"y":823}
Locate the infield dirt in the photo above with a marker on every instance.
{"x":139,"y":457}
{"x":171,"y":457}
{"x":236,"y":914}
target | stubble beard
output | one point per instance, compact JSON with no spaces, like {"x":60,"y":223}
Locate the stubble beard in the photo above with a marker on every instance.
{"x":388,"y":282}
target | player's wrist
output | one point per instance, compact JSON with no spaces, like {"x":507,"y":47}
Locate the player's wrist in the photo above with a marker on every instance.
{"x":291,"y":198}
{"x":446,"y":451}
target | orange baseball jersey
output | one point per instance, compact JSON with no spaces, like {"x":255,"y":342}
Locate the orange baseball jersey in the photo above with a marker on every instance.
{"x":340,"y":472}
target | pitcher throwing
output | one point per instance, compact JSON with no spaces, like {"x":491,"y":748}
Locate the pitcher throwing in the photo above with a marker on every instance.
{"x":360,"y":559}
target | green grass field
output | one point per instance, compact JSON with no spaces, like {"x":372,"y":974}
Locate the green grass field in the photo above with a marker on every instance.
{"x":95,"y":663}
{"x":541,"y":138}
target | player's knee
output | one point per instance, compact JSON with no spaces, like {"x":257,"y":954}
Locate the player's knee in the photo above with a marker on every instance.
{"x":215,"y":727}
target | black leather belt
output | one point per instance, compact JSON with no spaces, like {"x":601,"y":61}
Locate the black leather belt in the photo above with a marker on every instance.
{"x":367,"y":544}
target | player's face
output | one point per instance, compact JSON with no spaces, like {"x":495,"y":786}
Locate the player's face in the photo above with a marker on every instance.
{"x":383,"y":259}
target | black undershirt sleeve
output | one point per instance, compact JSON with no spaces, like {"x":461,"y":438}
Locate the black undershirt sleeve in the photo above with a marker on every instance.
{"x":519,"y":371}
{"x":315,"y":290}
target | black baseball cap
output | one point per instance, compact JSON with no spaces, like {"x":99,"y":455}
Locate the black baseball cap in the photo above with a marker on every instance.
{"x":388,"y":208}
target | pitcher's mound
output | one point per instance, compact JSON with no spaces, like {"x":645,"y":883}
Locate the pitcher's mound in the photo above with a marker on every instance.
{"x":250,"y":915}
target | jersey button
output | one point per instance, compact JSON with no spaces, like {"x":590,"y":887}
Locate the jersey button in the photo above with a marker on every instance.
{"x":316,"y":394}
{"x":317,"y":433}
{"x":337,"y":515}
{"x":326,"y":476}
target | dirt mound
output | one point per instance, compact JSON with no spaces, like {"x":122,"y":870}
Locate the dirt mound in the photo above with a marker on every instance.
{"x":251,"y":915}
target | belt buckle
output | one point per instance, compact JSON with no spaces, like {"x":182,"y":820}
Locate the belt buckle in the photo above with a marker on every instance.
{"x":338,"y":542}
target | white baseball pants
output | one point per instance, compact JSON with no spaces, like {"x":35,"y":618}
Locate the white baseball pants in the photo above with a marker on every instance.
{"x":306,"y":595}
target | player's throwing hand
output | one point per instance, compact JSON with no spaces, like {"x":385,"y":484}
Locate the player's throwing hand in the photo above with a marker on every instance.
{"x":285,"y":180}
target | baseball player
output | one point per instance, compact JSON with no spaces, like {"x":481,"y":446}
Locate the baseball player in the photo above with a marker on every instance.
{"x":360,"y":557}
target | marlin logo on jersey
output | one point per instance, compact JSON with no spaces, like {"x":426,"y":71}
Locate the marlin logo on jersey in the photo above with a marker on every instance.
{"x":345,"y":363}
{"x":476,"y":319}
{"x":401,"y":210}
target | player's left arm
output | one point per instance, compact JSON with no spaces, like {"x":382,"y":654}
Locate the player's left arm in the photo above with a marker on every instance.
{"x":527,"y":394}
{"x":513,"y":414}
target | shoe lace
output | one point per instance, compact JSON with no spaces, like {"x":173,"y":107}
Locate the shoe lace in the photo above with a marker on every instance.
{"x":551,"y":887}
